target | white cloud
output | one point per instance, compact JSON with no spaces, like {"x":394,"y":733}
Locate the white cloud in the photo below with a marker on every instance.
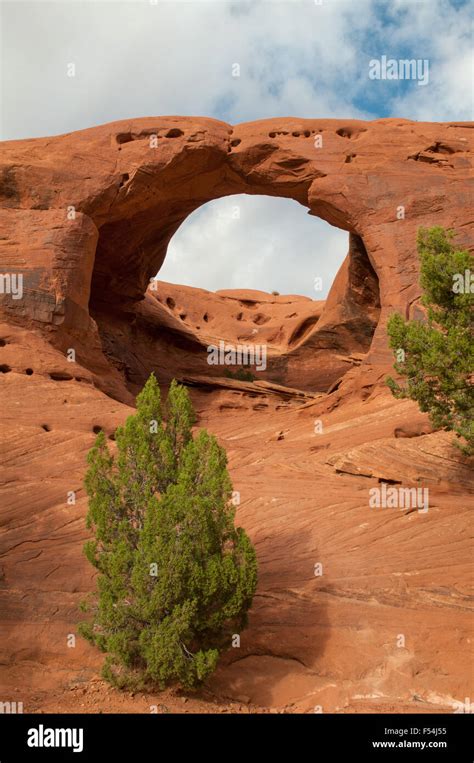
{"x":136,"y":59}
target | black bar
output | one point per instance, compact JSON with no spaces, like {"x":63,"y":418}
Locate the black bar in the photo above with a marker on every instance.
{"x":108,"y":737}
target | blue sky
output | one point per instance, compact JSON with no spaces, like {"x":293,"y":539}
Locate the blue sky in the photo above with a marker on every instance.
{"x":296,"y":58}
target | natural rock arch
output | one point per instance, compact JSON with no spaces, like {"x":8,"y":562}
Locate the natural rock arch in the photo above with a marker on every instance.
{"x":87,"y":216}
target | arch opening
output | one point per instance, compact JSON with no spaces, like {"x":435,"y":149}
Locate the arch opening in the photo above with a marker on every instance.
{"x":310,"y":342}
{"x":255,"y":242}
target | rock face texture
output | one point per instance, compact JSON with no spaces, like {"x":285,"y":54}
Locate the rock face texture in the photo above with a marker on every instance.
{"x":174,"y":318}
{"x":85,"y":220}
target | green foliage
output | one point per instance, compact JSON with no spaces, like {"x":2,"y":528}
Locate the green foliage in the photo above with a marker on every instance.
{"x":438,"y":362}
{"x":242,"y":374}
{"x":176,"y":577}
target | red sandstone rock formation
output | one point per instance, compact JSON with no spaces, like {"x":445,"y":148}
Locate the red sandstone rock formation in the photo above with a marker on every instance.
{"x":91,"y":213}
{"x":86,"y":219}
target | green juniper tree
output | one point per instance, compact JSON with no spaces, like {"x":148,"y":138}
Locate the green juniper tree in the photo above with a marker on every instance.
{"x":176,"y":577}
{"x":436,"y":356}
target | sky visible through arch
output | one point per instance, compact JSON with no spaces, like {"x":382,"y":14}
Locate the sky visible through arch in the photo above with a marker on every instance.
{"x":302,"y":58}
{"x":256,"y":242}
